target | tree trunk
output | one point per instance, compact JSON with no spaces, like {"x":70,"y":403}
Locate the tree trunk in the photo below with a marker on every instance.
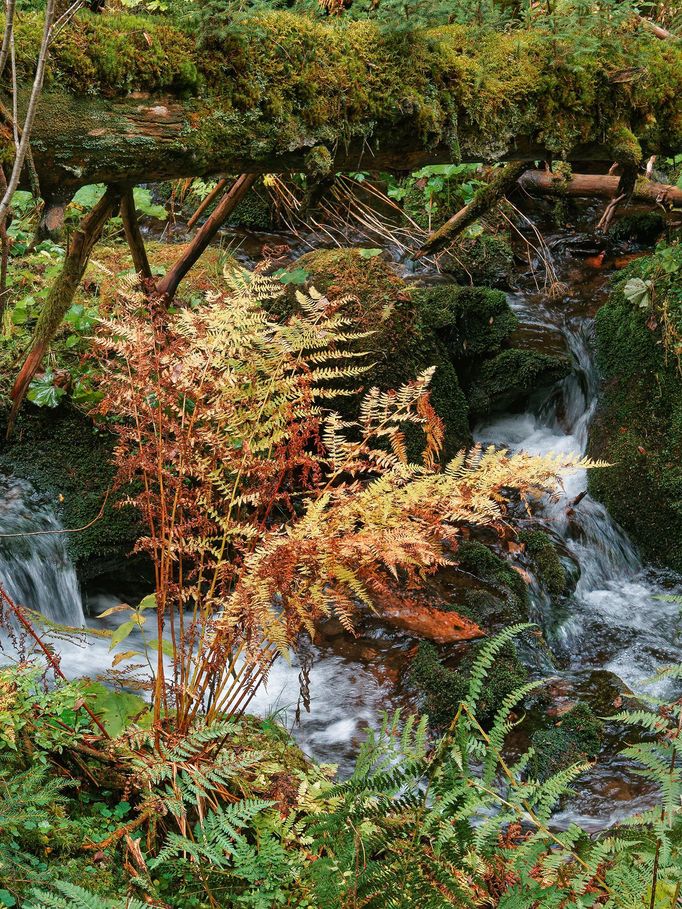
{"x":602,"y":186}
{"x":62,"y":293}
{"x":168,"y":285}
{"x":132,"y":231}
{"x":486,"y":197}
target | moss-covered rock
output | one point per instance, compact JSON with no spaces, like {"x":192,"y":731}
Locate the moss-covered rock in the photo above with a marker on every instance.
{"x":486,"y":259}
{"x":508,"y":380}
{"x":545,"y":560}
{"x":442,"y":689}
{"x":578,"y":736}
{"x":638,"y":427}
{"x":499,"y":595}
{"x":473,"y":322}
{"x":64,"y":455}
{"x":407,"y":337}
{"x":643,"y":227}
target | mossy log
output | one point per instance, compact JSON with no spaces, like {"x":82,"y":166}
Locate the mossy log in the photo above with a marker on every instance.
{"x":133,"y":99}
{"x":601,"y":186}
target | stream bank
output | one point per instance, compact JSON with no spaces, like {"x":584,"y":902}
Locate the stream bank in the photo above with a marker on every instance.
{"x":597,"y":624}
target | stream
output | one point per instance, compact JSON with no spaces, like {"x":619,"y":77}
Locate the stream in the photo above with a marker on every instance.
{"x":614,"y":625}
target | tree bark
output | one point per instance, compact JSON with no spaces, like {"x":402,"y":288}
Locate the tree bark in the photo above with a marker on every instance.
{"x":168,"y":285}
{"x":132,"y":231}
{"x":486,"y":197}
{"x":62,"y":293}
{"x":142,"y":139}
{"x":602,"y":186}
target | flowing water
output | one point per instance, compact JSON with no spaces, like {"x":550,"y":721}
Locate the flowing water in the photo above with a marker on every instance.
{"x":615,"y":622}
{"x":35,"y":568}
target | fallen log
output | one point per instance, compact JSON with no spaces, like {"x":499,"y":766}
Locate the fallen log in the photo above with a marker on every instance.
{"x":502,"y":182}
{"x":599,"y":186}
{"x":357,"y":97}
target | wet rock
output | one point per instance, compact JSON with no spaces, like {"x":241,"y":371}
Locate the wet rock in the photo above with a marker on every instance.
{"x":433,"y":624}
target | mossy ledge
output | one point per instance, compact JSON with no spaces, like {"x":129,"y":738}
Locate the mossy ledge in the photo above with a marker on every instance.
{"x":638,"y":426}
{"x":133,"y":98}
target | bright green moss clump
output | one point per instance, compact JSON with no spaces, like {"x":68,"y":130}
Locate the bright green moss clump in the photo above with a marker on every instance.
{"x":638,"y":427}
{"x":545,"y":560}
{"x":578,"y":736}
{"x":443,"y":689}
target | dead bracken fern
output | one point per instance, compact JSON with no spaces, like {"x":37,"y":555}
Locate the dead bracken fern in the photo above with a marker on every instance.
{"x":267,"y":511}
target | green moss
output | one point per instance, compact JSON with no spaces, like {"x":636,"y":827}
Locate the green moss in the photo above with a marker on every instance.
{"x":319,"y":161}
{"x":407,"y":336}
{"x":545,"y":560}
{"x":578,"y":736}
{"x":643,"y":227}
{"x":254,"y":211}
{"x":487,"y":259}
{"x":62,"y":453}
{"x":504,"y":590}
{"x":278,"y":82}
{"x":442,"y":689}
{"x":638,"y":427}
{"x":473,"y":322}
{"x":506,"y":382}
{"x":625,"y":146}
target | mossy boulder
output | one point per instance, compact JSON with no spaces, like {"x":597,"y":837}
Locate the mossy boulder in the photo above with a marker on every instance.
{"x":638,"y":427}
{"x":507,"y":381}
{"x":545,"y":560}
{"x":463,"y":331}
{"x":441,"y":689}
{"x":486,"y":259}
{"x":485,"y":588}
{"x":404,"y":341}
{"x":642,"y":227}
{"x":473,"y":322}
{"x":577,"y":736}
{"x":62,"y":453}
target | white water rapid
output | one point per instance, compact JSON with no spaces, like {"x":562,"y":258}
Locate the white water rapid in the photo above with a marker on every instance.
{"x":616,"y":619}
{"x":35,"y":568}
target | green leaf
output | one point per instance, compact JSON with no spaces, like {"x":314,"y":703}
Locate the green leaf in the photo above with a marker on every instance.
{"x":637,"y":292}
{"x":370,"y":253}
{"x":166,"y":647}
{"x":145,"y":206}
{"x":116,"y":709}
{"x":88,"y":196}
{"x":121,"y":633}
{"x":6,"y":898}
{"x":44,"y":393}
{"x":297,"y":276}
{"x":149,"y":602}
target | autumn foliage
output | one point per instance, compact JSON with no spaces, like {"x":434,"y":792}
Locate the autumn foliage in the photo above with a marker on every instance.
{"x":265,"y":509}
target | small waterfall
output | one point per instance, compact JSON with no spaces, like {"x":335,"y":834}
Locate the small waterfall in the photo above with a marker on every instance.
{"x":616,"y":618}
{"x":35,"y":568}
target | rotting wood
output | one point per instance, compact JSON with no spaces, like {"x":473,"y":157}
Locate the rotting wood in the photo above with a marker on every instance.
{"x":602,"y":186}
